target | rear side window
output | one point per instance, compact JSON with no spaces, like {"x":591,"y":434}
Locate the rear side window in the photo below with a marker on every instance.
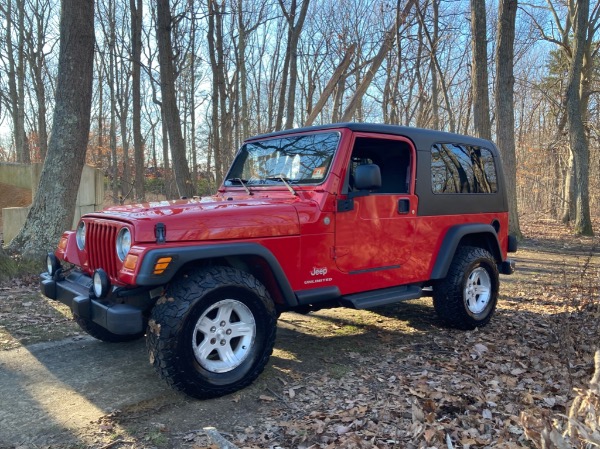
{"x":458,"y":168}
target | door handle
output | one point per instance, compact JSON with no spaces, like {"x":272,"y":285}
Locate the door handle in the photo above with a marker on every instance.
{"x":403,"y":206}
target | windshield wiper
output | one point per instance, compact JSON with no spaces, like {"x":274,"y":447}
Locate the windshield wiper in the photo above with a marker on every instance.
{"x":285,"y":181}
{"x":242,"y":182}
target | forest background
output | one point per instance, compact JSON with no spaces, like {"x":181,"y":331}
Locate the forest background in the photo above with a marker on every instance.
{"x":178,"y":85}
{"x":159,"y":95}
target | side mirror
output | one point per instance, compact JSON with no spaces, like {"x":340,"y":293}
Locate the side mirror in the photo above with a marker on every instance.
{"x":367,"y":177}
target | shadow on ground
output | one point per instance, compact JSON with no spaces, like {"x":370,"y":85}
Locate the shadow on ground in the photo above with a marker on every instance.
{"x":58,"y":393}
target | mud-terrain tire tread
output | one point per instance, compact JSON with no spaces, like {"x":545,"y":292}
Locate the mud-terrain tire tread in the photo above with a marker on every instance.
{"x":100,"y":333}
{"x":448,"y":294}
{"x":169,"y":320}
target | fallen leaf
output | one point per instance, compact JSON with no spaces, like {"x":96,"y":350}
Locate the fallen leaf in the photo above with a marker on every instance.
{"x":341,"y":430}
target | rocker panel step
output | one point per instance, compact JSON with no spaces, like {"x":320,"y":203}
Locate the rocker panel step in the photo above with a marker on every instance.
{"x":376,"y":298}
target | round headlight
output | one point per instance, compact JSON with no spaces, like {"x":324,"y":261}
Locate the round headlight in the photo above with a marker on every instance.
{"x":101,"y":284}
{"x":80,"y":236}
{"x":123,"y":243}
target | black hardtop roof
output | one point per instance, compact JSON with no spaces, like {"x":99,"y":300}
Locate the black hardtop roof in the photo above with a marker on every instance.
{"x":415,"y":134}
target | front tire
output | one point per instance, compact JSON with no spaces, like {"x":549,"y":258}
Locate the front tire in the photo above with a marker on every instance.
{"x":467,"y":297}
{"x":213,"y":332}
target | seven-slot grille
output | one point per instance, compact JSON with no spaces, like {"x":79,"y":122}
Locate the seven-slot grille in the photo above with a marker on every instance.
{"x":101,"y":240}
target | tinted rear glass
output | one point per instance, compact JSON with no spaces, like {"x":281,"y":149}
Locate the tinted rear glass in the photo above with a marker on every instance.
{"x":457,"y":168}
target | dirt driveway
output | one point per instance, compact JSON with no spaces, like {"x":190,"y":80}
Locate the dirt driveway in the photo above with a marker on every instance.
{"x":49,"y":390}
{"x":391,"y":377}
{"x":58,"y":393}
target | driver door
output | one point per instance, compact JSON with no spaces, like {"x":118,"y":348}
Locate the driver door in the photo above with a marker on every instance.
{"x":375,"y":229}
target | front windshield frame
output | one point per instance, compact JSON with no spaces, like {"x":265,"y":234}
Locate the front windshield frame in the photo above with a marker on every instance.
{"x":282,"y":158}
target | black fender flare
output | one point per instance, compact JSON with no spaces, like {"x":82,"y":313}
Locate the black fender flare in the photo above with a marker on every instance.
{"x":184,"y":255}
{"x":452,"y":239}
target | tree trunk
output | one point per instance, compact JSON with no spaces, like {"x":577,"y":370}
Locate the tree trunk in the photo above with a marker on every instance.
{"x":333,"y":81}
{"x":421,"y":120}
{"x":164,"y":24}
{"x":126,"y":185}
{"x":225,"y":114}
{"x":23,"y":154}
{"x":113,"y":104}
{"x":37,"y":63}
{"x":167,"y":176}
{"x":16,"y":75}
{"x":216,"y":138}
{"x":435,"y":103}
{"x":433,"y":41}
{"x":375,"y":64}
{"x":54,"y":203}
{"x":479,"y":75}
{"x":505,"y":114}
{"x":575,"y":113}
{"x":568,"y":191}
{"x":290,"y":65}
{"x":338,"y":98}
{"x":191,"y":99}
{"x":136,"y":8}
{"x":293,"y":48}
{"x":243,"y":82}
{"x":100,"y":150}
{"x":274,"y":116}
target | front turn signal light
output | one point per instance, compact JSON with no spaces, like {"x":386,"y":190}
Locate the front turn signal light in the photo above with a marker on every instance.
{"x":62,"y":244}
{"x":162,"y":264}
{"x":130,"y":262}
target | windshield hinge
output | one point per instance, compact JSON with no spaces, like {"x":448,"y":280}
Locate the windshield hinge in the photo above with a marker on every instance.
{"x":160,"y":231}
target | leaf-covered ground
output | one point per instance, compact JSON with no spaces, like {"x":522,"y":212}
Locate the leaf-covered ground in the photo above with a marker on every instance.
{"x":416,"y":384}
{"x":388,"y":378}
{"x":26,"y":317}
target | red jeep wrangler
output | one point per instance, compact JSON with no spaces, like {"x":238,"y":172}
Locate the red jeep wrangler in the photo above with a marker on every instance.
{"x":354,"y":215}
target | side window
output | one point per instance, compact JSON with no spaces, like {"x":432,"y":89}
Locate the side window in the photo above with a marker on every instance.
{"x":392,"y":157}
{"x":457,"y":168}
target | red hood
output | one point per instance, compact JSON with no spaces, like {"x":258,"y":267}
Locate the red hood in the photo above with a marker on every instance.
{"x":209,"y":218}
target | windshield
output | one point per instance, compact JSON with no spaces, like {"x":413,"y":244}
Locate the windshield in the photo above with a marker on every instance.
{"x":298,"y":159}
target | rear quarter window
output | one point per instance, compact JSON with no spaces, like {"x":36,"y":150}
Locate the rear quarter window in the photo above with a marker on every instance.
{"x":462,"y":169}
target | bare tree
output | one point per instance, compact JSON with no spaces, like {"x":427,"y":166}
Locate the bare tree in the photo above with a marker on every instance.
{"x":575,"y":114}
{"x":136,"y":11}
{"x":54,"y":203}
{"x":164,"y":23}
{"x":433,"y":41}
{"x":16,"y":74}
{"x":123,"y":71}
{"x":438,"y":74}
{"x":333,"y":81}
{"x":575,"y":39}
{"x":479,"y":74}
{"x":245,"y":28}
{"x":505,"y":115}
{"x":290,"y":65}
{"x":36,"y":52}
{"x":388,"y":41}
{"x":219,"y":94}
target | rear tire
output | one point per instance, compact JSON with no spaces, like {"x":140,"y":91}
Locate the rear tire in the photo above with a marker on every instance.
{"x":467,"y":297}
{"x":100,"y":333}
{"x":213,"y":332}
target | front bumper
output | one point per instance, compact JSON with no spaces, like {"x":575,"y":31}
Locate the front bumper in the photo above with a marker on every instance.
{"x":74,"y":290}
